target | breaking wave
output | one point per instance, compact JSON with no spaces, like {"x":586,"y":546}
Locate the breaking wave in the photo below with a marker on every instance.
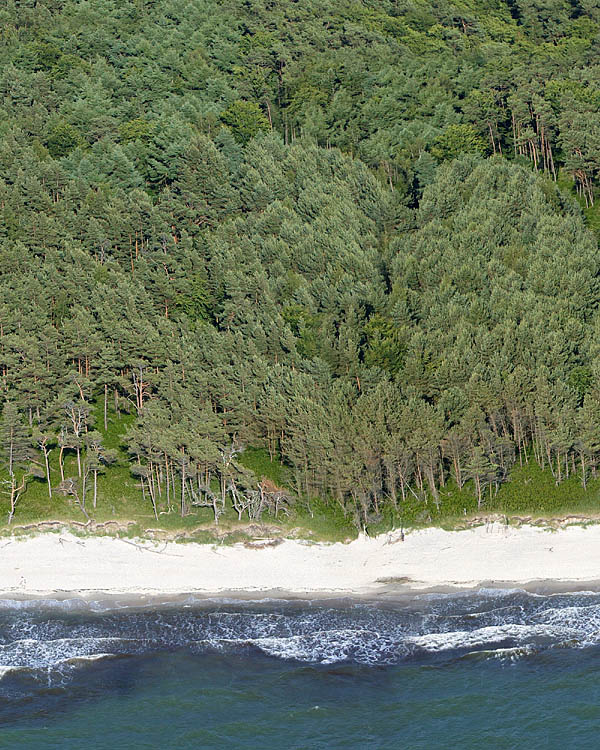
{"x":48,"y":640}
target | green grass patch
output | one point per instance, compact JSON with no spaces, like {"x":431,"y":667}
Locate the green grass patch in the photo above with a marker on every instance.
{"x":531,"y":491}
{"x":259,"y":461}
{"x":323,"y":521}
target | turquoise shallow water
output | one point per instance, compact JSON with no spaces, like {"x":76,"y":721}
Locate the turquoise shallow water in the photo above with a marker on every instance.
{"x":487,"y":669}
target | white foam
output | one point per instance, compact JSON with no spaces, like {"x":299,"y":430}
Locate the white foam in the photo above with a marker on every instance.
{"x":43,"y":654}
{"x":7,"y":670}
{"x":506,"y":626}
{"x":87,"y":659}
{"x":516,"y":653}
{"x":459,"y":639}
{"x":333,"y":646}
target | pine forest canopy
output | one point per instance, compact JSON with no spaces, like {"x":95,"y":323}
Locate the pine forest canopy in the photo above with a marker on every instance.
{"x":350,"y":233}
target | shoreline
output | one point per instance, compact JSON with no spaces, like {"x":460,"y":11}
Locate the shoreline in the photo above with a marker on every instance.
{"x":384,"y":567}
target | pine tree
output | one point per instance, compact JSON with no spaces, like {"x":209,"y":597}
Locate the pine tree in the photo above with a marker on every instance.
{"x":17,"y":453}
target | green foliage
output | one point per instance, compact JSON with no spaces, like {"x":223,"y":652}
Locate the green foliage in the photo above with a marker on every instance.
{"x":232,"y":224}
{"x":137,"y":129}
{"x":62,"y":139}
{"x":457,"y":140}
{"x":195,"y":301}
{"x":580,"y":379}
{"x":245,"y":119}
{"x":386,"y":346}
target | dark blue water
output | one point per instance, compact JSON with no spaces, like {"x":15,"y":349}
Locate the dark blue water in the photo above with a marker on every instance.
{"x":490,"y":669}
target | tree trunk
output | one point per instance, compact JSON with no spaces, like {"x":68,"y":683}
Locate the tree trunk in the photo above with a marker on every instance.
{"x":105,"y":407}
{"x":168,"y":483}
{"x":47,"y":462}
{"x":158,"y":480}
{"x":173,"y":484}
{"x":10,"y":454}
{"x":80,"y":504}
{"x":183,"y":486}
{"x":152,"y":493}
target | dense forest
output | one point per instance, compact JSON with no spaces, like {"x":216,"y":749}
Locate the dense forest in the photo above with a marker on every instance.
{"x":356,"y":234}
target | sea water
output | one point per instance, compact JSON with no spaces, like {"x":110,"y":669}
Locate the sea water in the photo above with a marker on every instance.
{"x":484,"y":669}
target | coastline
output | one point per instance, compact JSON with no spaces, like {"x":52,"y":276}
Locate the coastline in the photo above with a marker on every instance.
{"x":430,"y":559}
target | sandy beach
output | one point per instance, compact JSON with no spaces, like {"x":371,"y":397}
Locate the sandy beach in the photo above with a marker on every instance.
{"x":495,"y":554}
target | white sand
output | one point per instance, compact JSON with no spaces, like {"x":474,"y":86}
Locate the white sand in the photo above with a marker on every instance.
{"x":61,"y":562}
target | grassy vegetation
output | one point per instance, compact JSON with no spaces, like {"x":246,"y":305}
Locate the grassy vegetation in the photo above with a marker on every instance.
{"x":530,"y":492}
{"x":259,"y":461}
{"x":120,"y":499}
{"x":119,"y":495}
